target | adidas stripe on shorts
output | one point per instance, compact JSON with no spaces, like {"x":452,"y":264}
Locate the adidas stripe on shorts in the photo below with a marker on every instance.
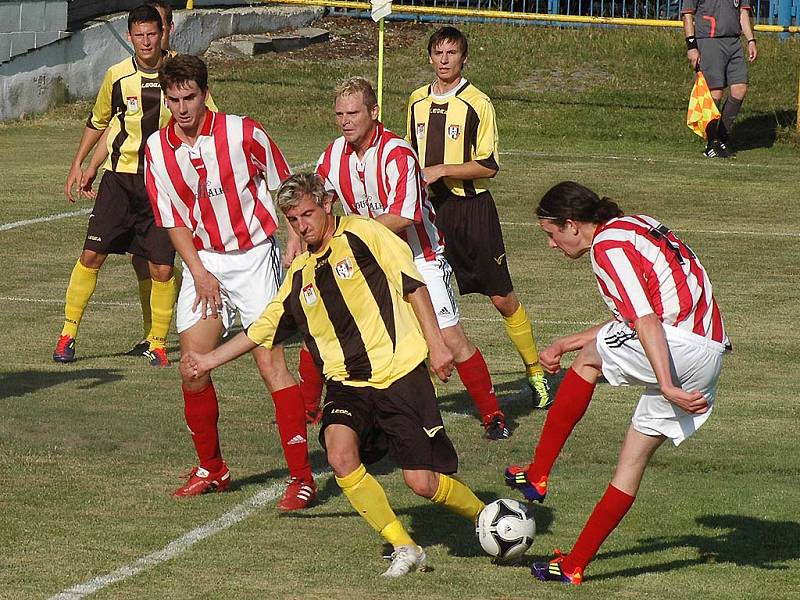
{"x":438,"y":277}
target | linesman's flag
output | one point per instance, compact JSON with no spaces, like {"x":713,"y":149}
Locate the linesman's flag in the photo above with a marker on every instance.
{"x":380,"y":9}
{"x":702,"y":108}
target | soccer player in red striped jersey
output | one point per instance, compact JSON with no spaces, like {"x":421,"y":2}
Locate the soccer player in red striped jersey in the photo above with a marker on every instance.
{"x":666,"y":334}
{"x":208,"y":176}
{"x":376,"y":174}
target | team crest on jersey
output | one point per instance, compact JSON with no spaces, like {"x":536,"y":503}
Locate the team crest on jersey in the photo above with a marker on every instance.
{"x":453,"y":131}
{"x":133,"y":104}
{"x":344,"y":268}
{"x":309,"y":294}
{"x":420,"y":130}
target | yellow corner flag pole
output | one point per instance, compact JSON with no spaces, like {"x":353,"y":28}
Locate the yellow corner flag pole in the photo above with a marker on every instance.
{"x":380,"y":68}
{"x":189,"y":4}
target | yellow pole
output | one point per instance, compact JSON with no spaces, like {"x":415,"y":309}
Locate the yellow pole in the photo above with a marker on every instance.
{"x":380,"y":67}
{"x":797,"y":119}
{"x":189,"y":4}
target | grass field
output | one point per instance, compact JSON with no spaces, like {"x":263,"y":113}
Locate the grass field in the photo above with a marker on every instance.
{"x":90,"y":451}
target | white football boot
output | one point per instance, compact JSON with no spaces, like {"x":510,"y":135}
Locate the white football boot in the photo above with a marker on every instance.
{"x":406,"y":559}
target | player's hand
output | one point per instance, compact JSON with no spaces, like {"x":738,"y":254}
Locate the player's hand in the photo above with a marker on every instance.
{"x":86,"y":182}
{"x":194,"y":365}
{"x":294,"y":248}
{"x":441,"y":362}
{"x":550,"y":358}
{"x":433,"y":173}
{"x":691,"y":402}
{"x":693,"y":56}
{"x":73,"y":179}
{"x":752,"y":51}
{"x":207,"y":296}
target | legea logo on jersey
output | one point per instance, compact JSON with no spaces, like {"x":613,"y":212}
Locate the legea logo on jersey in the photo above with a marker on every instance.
{"x":453,"y":131}
{"x":309,"y":294}
{"x":133,"y":104}
{"x":420,"y":130}
{"x":344,"y":268}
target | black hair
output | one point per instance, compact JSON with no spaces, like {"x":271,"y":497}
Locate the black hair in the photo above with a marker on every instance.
{"x":448,"y":34}
{"x":144,"y":14}
{"x":572,"y":201}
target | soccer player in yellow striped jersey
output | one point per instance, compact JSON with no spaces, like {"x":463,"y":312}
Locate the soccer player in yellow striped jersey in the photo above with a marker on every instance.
{"x":366,"y":316}
{"x":451,"y":124}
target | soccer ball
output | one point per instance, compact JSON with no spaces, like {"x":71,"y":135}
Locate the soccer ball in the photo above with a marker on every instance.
{"x":505,"y":529}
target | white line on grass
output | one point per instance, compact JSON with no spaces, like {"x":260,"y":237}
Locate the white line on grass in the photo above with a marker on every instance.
{"x":179,"y":546}
{"x":785,"y":234}
{"x":56,"y":217}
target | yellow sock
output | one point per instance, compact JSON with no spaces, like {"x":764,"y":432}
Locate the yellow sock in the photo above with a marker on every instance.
{"x":454,"y":495}
{"x":81,"y":286}
{"x":368,"y":498}
{"x":145,"y":288}
{"x":520,"y":331}
{"x":162,"y":305}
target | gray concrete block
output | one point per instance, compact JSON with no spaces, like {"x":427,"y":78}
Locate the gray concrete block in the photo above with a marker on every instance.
{"x":9,"y":17}
{"x":55,"y":15}
{"x":22,"y":41}
{"x":254,"y":46}
{"x":5,"y":47}
{"x":32,"y":16}
{"x":45,"y":37}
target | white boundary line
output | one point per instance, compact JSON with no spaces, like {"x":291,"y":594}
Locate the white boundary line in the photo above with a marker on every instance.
{"x":700,"y":231}
{"x":56,"y":217}
{"x":180,"y":545}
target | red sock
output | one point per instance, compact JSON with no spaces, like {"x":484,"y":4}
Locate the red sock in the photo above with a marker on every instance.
{"x":201,"y":411}
{"x":291,"y":418}
{"x":310,"y":381}
{"x":475,"y":376}
{"x":605,"y":517}
{"x":568,"y":408}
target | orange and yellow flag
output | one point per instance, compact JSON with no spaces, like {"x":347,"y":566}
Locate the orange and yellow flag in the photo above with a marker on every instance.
{"x":702,"y":108}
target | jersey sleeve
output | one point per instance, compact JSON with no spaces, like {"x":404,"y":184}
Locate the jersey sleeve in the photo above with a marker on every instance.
{"x":323,"y":169}
{"x":210,"y":104}
{"x":168,"y":210}
{"x":403,"y":184}
{"x":267,"y":156}
{"x":620,"y":275}
{"x":101,"y":113}
{"x":486,"y":153}
{"x":276,"y":323}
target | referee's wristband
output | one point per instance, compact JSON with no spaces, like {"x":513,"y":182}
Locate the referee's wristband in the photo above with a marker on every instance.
{"x":751,"y":41}
{"x":691,"y":43}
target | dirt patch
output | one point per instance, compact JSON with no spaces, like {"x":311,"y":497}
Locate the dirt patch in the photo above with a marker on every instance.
{"x":349,"y":39}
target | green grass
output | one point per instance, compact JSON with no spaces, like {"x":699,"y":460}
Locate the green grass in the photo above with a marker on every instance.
{"x":91,"y":450}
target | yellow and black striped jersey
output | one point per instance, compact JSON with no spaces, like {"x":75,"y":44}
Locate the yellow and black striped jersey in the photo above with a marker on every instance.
{"x":347,"y":300}
{"x":453,"y":129}
{"x":131,"y":106}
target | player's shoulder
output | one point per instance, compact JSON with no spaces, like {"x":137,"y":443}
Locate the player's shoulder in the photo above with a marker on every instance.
{"x":392,"y":142}
{"x":471,"y":94}
{"x":362,"y":227}
{"x":124,"y":68}
{"x":420,"y":93}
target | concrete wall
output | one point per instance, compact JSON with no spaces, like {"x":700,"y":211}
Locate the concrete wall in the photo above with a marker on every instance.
{"x":29,"y":24}
{"x":73,"y":67}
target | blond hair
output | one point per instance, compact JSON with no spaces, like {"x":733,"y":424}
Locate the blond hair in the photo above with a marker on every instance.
{"x":355,"y":85}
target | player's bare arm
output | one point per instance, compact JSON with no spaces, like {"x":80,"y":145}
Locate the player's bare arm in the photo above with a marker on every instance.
{"x":651,"y":334}
{"x":692,"y":53}
{"x":396,"y":223}
{"x":550,"y":357}
{"x":88,"y":141}
{"x":468,"y":170}
{"x":294,"y":245}
{"x":207,"y":294}
{"x":195,"y":365}
{"x":747,"y":30}
{"x":440,"y":356}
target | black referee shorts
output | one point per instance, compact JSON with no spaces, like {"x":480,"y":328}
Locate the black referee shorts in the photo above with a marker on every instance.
{"x":122,"y":221}
{"x":473,"y":244}
{"x":403,"y":420}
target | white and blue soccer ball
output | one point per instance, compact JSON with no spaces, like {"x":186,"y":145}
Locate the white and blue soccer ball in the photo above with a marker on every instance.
{"x":505,"y":529}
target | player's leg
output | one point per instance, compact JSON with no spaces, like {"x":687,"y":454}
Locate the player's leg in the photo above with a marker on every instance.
{"x":142,"y":270}
{"x":290,"y":416}
{"x":311,"y":384}
{"x":714,"y":64}
{"x":736,"y":78}
{"x":637,"y":449}
{"x":569,"y":406}
{"x":446,"y":490}
{"x":201,"y":410}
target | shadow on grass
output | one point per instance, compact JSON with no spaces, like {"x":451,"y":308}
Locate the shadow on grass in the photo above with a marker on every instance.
{"x":760,"y":131}
{"x":734,"y":539}
{"x":20,"y":383}
{"x":318,"y":462}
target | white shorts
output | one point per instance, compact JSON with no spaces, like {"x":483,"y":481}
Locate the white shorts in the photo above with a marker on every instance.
{"x":695,"y":364}
{"x":248,"y":280}
{"x":438,"y":275}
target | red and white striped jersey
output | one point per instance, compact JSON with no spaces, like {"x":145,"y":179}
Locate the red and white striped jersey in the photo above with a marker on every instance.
{"x":219,"y":188}
{"x":388,"y":180}
{"x":643,"y":268}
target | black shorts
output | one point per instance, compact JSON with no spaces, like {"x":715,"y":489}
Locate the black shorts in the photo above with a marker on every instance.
{"x":403,"y":420}
{"x":122,"y":221}
{"x":473,"y":244}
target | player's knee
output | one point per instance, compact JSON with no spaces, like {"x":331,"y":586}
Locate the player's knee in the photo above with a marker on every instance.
{"x":343,"y":460}
{"x":161,"y":273}
{"x":422,"y":483}
{"x":92,"y":260}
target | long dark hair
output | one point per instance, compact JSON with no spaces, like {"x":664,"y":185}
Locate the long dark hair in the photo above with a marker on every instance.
{"x":572,"y":201}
